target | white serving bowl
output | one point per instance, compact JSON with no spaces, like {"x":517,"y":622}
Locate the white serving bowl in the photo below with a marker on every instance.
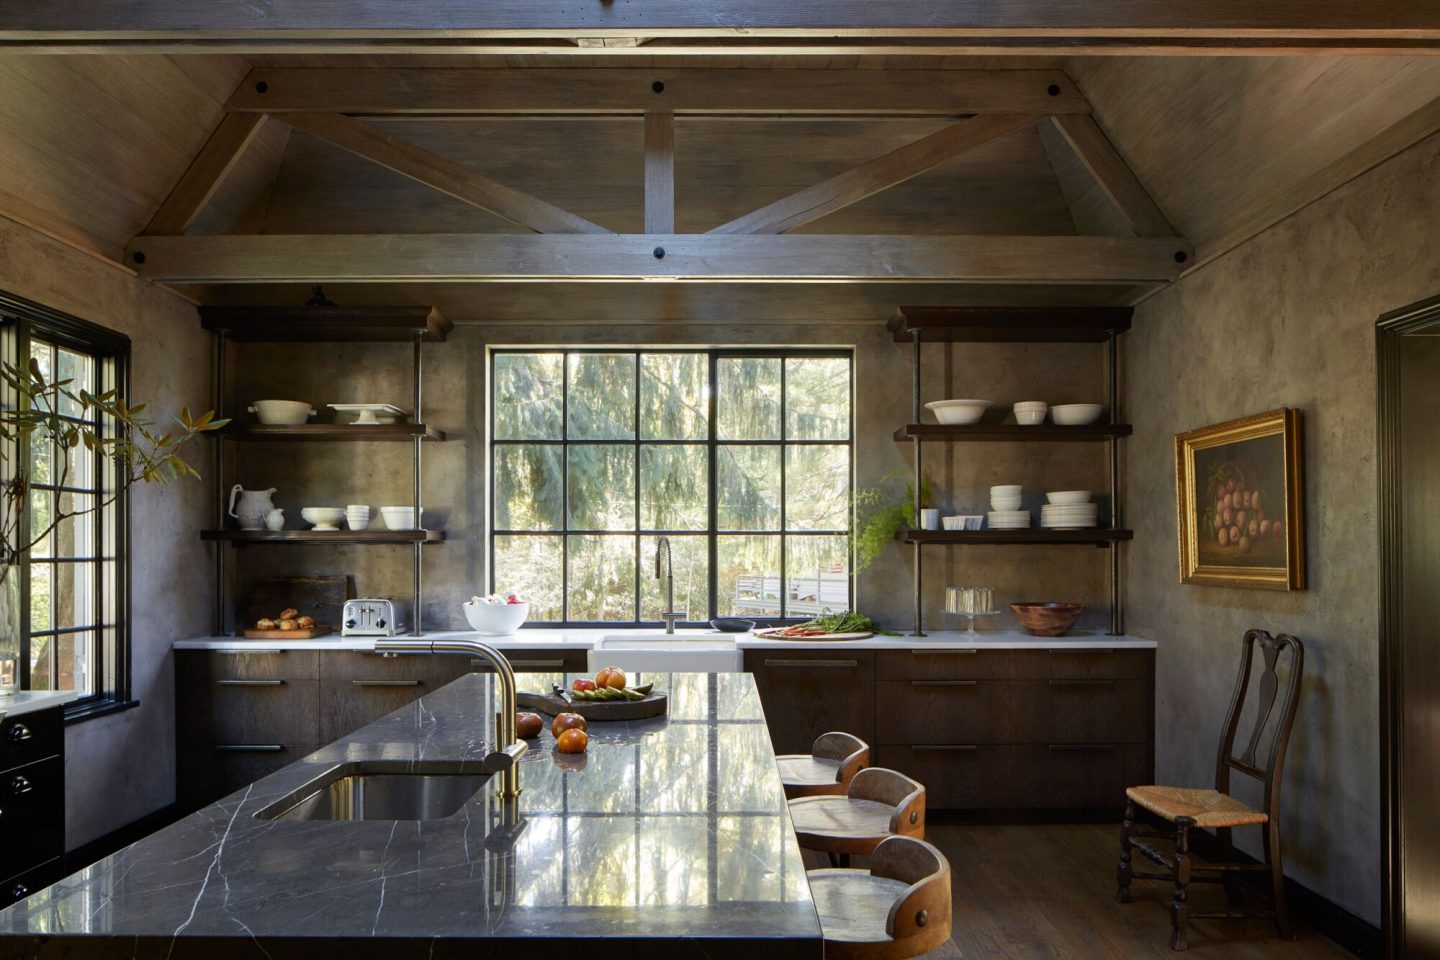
{"x":323,"y":518}
{"x":282,"y":413}
{"x":1068,"y":496}
{"x":1029,"y":417}
{"x":958,"y":411}
{"x":1076,"y":414}
{"x":495,"y":619}
{"x":399,"y":518}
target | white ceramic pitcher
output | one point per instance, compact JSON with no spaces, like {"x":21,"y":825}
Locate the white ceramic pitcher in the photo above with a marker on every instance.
{"x":252,"y":508}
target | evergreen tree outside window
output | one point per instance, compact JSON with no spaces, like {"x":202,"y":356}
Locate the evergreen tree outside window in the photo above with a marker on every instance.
{"x":742,"y":458}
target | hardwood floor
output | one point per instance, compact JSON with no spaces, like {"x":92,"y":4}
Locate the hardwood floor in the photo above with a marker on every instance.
{"x":1033,"y":892}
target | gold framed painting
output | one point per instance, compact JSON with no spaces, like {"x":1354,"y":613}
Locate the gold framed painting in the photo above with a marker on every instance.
{"x":1239,"y":493}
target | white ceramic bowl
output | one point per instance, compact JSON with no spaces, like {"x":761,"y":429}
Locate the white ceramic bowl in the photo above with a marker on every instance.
{"x":1007,"y":488}
{"x":958,"y":411}
{"x":1068,"y":496}
{"x":323,"y":518}
{"x":1076,"y":414}
{"x":1029,"y":418}
{"x":495,"y":619}
{"x":399,"y":518}
{"x":282,"y":413}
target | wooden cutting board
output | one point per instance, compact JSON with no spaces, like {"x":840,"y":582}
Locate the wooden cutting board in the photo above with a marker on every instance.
{"x":654,"y":705}
{"x":774,"y":634}
{"x":318,"y":630}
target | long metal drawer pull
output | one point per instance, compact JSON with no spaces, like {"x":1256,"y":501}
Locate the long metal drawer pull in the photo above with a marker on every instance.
{"x":1082,"y":746}
{"x":1082,"y":683}
{"x":951,"y":747}
{"x":386,"y":683}
{"x":250,"y":683}
{"x":944,"y":683}
{"x":812,"y":663}
{"x":1081,"y":650}
{"x":531,"y":664}
{"x":250,"y":747}
{"x":941,"y":653}
{"x":241,"y":653}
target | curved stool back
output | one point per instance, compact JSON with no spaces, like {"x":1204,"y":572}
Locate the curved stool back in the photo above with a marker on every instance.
{"x":899,"y":908}
{"x":897,"y":790}
{"x":827,"y":769}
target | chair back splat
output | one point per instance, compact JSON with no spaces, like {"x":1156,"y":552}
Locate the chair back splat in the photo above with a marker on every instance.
{"x":1268,"y":771}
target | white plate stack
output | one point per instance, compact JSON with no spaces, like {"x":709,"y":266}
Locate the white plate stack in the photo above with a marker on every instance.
{"x":1068,"y":510}
{"x":1005,"y":512}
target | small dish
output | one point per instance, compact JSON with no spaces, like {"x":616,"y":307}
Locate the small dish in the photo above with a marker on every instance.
{"x":1076,"y":414}
{"x":1059,"y":497}
{"x":733,"y":624}
{"x":399,"y":518}
{"x":370,"y":414}
{"x":282,"y":413}
{"x":323,"y":518}
{"x":1029,"y":413}
{"x":958,"y":412}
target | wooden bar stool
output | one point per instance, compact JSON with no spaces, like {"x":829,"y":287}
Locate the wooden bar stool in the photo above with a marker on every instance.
{"x":879,"y":803}
{"x":826,"y":770}
{"x":900,"y":907}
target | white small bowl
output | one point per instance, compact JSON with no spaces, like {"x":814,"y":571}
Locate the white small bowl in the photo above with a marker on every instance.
{"x":399,"y":518}
{"x":956,"y":412}
{"x":1005,"y":503}
{"x":1068,"y":496}
{"x":1014,"y":488}
{"x":323,"y":518}
{"x":495,"y":619}
{"x":1031,"y":405}
{"x":1029,"y":417}
{"x":1076,"y":414}
{"x":282,"y":413}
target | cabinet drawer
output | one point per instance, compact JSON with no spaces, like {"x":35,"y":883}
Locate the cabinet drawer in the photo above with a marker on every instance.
{"x":31,"y":736}
{"x":961,"y":711}
{"x":435,"y":669}
{"x":248,"y":711}
{"x":17,"y":888}
{"x":208,"y":772}
{"x":1037,"y":664}
{"x":807,"y":693}
{"x":1021,"y":777}
{"x":348,"y":705}
{"x":1093,"y":776}
{"x":261,"y":663}
{"x":1098,"y":711}
{"x":32,"y":815}
{"x":542,"y":661}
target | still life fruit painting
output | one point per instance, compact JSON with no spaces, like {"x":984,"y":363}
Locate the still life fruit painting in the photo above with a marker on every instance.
{"x":1239,"y":496}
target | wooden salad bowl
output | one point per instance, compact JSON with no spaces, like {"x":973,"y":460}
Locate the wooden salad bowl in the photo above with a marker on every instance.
{"x":1046,"y":619}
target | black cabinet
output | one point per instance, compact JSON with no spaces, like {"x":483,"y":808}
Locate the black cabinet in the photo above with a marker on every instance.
{"x":32,"y":802}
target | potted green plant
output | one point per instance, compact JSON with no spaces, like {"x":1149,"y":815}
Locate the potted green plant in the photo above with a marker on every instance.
{"x":40,"y":412}
{"x":881,"y":513}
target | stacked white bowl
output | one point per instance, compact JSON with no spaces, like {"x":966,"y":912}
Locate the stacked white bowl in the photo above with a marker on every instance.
{"x":1028,"y":413}
{"x":1005,"y":512}
{"x":1068,"y":510}
{"x":357,"y":516}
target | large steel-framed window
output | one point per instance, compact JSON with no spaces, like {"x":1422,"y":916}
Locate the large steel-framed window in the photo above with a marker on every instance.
{"x":73,"y":584}
{"x":742,"y":458}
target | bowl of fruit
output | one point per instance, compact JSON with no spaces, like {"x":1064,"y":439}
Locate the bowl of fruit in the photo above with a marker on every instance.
{"x":496,"y":615}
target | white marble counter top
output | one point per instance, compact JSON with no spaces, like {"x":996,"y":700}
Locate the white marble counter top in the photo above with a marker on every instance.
{"x":28,"y":701}
{"x":584,"y":638}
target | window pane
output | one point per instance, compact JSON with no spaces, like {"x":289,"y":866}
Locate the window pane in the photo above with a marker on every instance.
{"x":817,"y":398}
{"x":602,"y":396}
{"x":40,"y":591}
{"x":531,"y":567}
{"x":818,"y":573}
{"x":674,"y":401}
{"x":73,"y":595}
{"x":44,"y":356}
{"x":79,"y":466}
{"x":79,"y":370}
{"x":41,"y":460}
{"x":42,"y":667}
{"x":602,"y":578}
{"x":692,"y":578}
{"x":40,"y":514}
{"x":817,"y":487}
{"x":75,"y":535}
{"x":748,"y":494}
{"x":747,"y":398}
{"x":674,"y":488}
{"x":748,"y":578}
{"x":602,"y":487}
{"x":529,"y":487}
{"x":528,"y":396}
{"x":72,"y":660}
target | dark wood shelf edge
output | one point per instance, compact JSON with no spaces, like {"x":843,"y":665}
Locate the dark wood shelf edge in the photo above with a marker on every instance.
{"x":1045,"y":432}
{"x":260,"y":324}
{"x":331,"y":432}
{"x":1040,"y":536}
{"x":1009,"y":324}
{"x":324,"y":536}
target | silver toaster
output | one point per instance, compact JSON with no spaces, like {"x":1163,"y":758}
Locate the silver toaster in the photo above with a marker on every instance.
{"x":371,"y":618}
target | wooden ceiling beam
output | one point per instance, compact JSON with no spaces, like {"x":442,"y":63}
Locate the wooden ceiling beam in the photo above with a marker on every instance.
{"x":206,"y":172}
{"x":659,"y":172}
{"x":1113,"y":175}
{"x":870,"y":178}
{"x":365,"y":258}
{"x":442,"y":174}
{"x":629,"y":91}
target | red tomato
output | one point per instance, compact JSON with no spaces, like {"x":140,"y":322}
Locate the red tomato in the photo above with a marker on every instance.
{"x":582,"y":683}
{"x":572,"y":741}
{"x":566,"y":721}
{"x":528,"y":725}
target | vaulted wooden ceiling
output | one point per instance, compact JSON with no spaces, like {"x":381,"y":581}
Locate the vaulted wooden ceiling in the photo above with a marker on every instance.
{"x":90,"y":147}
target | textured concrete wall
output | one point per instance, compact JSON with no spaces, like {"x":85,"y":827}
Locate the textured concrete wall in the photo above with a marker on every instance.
{"x":121,"y":767}
{"x":1285,"y":320}
{"x":455,"y":472}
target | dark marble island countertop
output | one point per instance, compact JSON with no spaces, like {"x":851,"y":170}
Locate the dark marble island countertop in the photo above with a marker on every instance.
{"x":670,"y":837}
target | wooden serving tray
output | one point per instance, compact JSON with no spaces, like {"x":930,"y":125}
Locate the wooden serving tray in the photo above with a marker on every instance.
{"x":319,"y":630}
{"x":773,"y":633}
{"x":654,"y":705}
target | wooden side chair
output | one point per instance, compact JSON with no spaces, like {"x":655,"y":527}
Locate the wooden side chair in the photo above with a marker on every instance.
{"x":1188,"y":808}
{"x":879,"y":803}
{"x":826,"y":770}
{"x":900,"y":907}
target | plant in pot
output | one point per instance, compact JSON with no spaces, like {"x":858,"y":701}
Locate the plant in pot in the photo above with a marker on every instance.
{"x":46,"y":414}
{"x":881,"y":514}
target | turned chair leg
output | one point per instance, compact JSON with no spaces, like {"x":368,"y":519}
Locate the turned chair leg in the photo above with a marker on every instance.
{"x":1227,"y":855}
{"x":1179,"y":911}
{"x":1277,"y":882}
{"x":1123,"y":873}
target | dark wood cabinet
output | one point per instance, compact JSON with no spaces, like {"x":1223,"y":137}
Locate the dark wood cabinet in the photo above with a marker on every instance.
{"x":32,"y":802}
{"x":806,"y":693}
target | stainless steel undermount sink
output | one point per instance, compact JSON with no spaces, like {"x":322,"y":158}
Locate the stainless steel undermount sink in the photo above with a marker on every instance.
{"x":380,"y":790}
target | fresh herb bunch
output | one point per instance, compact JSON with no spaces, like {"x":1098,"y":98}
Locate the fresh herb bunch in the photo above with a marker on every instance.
{"x":847,"y":621}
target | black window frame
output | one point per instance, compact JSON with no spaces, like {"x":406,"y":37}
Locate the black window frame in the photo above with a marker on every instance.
{"x":21,"y":322}
{"x":710,"y":442}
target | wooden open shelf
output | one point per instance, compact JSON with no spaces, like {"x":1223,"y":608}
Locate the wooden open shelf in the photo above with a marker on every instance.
{"x":324,"y":536}
{"x":1040,"y":432}
{"x":326,"y":324}
{"x":330,"y":431}
{"x":1099,"y":537}
{"x":1009,"y":324}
